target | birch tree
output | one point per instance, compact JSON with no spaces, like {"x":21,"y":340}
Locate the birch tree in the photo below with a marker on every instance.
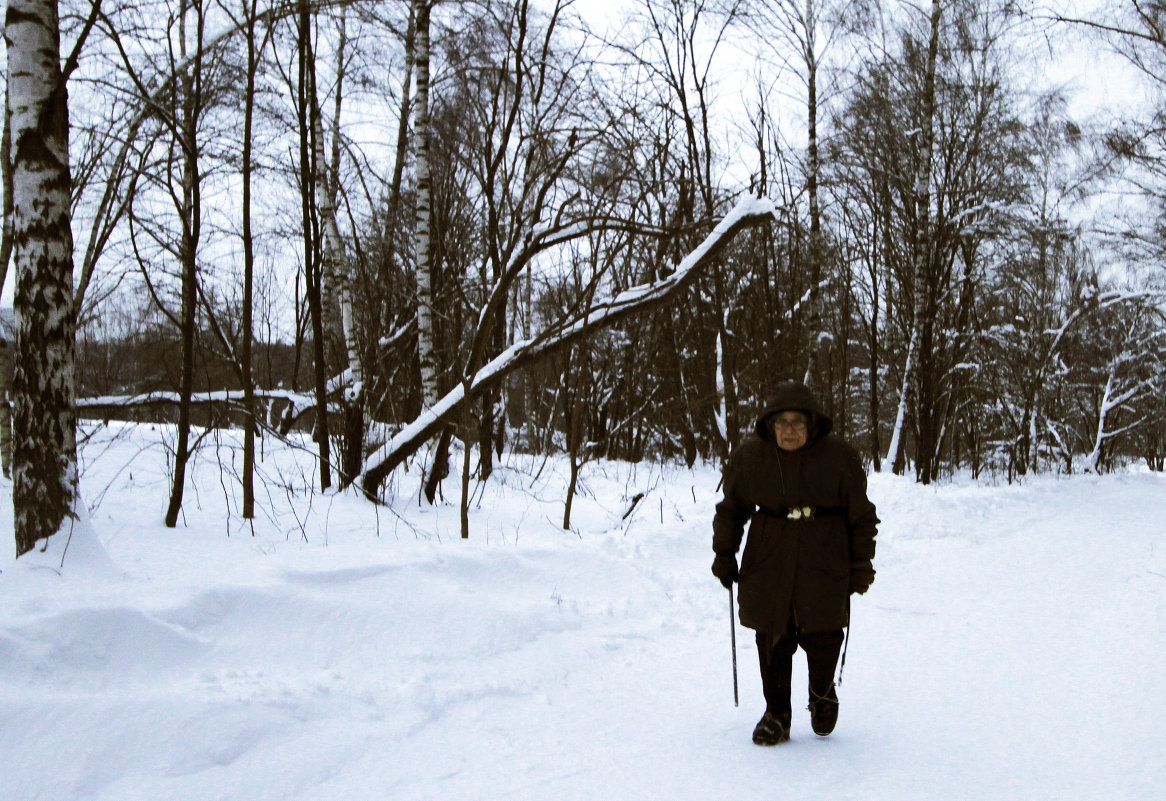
{"x":426,"y":344}
{"x":7,"y":336}
{"x":44,"y":423}
{"x":510,"y":133}
{"x":7,"y":210}
{"x":336,"y":268}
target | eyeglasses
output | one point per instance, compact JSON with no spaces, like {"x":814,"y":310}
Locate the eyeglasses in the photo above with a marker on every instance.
{"x":789,"y":425}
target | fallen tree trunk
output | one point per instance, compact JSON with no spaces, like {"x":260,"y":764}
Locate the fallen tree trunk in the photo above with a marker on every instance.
{"x":600,"y":314}
{"x":220,"y":405}
{"x":224,"y":396}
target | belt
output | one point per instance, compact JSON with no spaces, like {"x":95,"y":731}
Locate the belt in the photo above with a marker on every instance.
{"x":804,"y":512}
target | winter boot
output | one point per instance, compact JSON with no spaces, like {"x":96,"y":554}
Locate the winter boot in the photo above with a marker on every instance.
{"x":772,"y":729}
{"x":823,"y":710}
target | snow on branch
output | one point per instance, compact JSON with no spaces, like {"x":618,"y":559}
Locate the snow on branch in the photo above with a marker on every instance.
{"x":1102,"y":300}
{"x":225,"y":396}
{"x":602,"y":313}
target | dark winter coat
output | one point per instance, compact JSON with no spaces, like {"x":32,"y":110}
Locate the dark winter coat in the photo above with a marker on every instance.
{"x":796,"y":566}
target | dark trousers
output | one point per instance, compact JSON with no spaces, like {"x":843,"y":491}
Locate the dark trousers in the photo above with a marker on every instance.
{"x":776,"y":655}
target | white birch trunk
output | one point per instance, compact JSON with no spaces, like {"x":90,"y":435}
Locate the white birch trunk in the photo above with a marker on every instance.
{"x":44,"y":490}
{"x":5,"y":405}
{"x":6,"y":230}
{"x":901,"y":414}
{"x":337,"y":278}
{"x":1099,"y":438}
{"x":332,"y":246}
{"x":426,"y":343}
{"x":1064,"y":451}
{"x":1033,"y":432}
{"x":722,"y":413}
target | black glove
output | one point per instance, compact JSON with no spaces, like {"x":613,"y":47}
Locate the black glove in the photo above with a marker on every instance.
{"x":861,"y":577}
{"x":725,"y":568}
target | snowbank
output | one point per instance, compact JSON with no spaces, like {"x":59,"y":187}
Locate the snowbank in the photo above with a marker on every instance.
{"x":1008,"y":650}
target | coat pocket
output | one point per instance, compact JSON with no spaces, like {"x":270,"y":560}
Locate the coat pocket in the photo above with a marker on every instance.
{"x":756,"y":547}
{"x":832,"y":549}
{"x":757,"y":582}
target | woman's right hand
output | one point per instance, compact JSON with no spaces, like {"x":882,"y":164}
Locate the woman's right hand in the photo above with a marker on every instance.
{"x":725,"y":568}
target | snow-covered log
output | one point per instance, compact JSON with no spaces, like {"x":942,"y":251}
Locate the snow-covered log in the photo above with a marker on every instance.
{"x":232,"y":399}
{"x":225,"y":396}
{"x":603,"y":312}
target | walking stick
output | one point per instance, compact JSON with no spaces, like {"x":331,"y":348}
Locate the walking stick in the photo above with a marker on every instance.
{"x":733,"y":637}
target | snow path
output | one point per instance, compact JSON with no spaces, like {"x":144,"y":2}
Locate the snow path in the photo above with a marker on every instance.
{"x":1009,"y":649}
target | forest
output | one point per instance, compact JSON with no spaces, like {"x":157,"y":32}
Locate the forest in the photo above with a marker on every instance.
{"x":594,"y":230}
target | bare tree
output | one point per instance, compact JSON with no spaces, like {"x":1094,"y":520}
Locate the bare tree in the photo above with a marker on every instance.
{"x":1134,"y":149}
{"x":190,"y":210}
{"x":801,"y":34}
{"x":921,"y":242}
{"x":254,"y":54}
{"x":680,"y":48}
{"x":129,"y":132}
{"x":1022,"y":332}
{"x":510,"y":132}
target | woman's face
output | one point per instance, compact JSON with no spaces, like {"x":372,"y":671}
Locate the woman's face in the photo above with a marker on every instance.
{"x":790,"y":430}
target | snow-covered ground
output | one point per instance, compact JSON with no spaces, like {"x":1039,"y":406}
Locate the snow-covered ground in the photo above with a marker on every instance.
{"x":1010,"y":648}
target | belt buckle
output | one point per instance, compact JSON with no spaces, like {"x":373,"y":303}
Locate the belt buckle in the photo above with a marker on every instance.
{"x":801,"y":513}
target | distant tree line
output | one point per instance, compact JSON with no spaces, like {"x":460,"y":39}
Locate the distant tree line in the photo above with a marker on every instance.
{"x":494,"y":223}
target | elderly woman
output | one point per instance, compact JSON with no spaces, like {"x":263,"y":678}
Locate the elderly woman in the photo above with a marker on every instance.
{"x":811,"y":542}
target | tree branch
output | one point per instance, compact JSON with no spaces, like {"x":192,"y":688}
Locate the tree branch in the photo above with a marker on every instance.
{"x":603,"y":313}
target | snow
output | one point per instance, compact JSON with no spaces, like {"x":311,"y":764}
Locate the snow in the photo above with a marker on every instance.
{"x":1009,"y":648}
